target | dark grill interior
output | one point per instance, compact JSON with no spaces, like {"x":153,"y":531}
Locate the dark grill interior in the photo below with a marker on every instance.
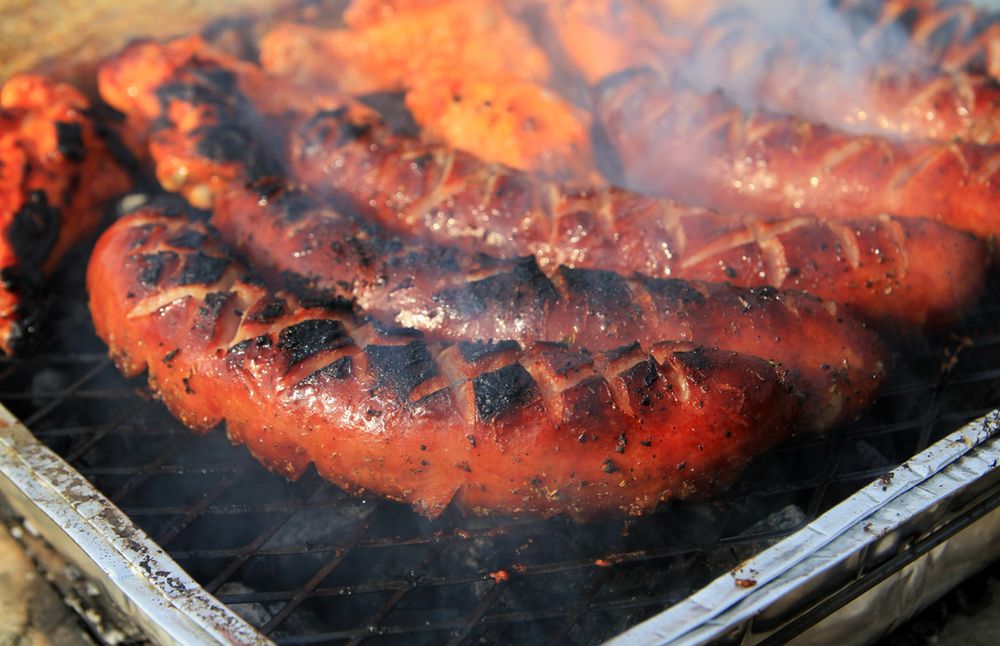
{"x":309,"y":564}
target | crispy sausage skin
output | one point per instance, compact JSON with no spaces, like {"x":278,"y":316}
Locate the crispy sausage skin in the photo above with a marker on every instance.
{"x":680,"y":143}
{"x":455,"y":296}
{"x":900,"y":273}
{"x":55,"y":175}
{"x":492,"y":426}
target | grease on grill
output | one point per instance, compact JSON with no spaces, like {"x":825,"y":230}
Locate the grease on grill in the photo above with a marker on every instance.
{"x":201,"y":269}
{"x":307,"y":338}
{"x":502,"y":391}
{"x":401,"y":367}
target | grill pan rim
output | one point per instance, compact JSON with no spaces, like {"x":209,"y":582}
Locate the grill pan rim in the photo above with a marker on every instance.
{"x":96,"y":536}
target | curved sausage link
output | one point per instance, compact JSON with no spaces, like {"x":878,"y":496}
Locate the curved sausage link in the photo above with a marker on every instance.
{"x":455,"y":296}
{"x":56,"y":173}
{"x":901,"y":273}
{"x":703,"y":148}
{"x":492,"y":426}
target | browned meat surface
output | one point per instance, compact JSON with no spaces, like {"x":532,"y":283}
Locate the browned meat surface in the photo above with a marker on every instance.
{"x":55,"y":175}
{"x":904,"y":273}
{"x":442,"y":38}
{"x":495,"y":427}
{"x":703,"y":148}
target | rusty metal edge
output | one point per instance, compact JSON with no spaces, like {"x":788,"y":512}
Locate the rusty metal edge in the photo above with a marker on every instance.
{"x":97,"y":537}
{"x":843,"y":543}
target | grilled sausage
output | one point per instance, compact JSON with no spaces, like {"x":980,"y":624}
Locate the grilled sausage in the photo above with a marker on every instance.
{"x":55,"y":175}
{"x":902,"y":273}
{"x":492,"y":426}
{"x":455,"y":296}
{"x":705,"y":149}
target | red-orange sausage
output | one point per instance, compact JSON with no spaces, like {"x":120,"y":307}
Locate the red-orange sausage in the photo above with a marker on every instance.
{"x":498,"y":429}
{"x":704,"y":149}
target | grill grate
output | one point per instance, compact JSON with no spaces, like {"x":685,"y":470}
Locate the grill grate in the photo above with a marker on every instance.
{"x":308,"y":564}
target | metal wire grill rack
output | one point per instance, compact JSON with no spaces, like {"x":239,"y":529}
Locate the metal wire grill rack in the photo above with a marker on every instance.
{"x":307,"y":563}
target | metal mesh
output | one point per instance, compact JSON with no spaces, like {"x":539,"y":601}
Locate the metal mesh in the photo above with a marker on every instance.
{"x":307,"y":563}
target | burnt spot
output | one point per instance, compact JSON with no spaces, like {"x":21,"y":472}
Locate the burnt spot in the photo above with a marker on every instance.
{"x":365,"y":250}
{"x":474,"y":351}
{"x":338,"y":370}
{"x":233,"y":143}
{"x":201,"y":269}
{"x":305,"y":339}
{"x":69,"y":141}
{"x":240,"y":348}
{"x":151,"y":266}
{"x":696,"y":359}
{"x":293,"y":204}
{"x":765,"y":293}
{"x":216,"y":78}
{"x":332,"y":304}
{"x":34,"y":229}
{"x":673,"y":290}
{"x":332,"y":127}
{"x":213,"y":304}
{"x":502,"y":391}
{"x":601,"y":291}
{"x":623,"y":351}
{"x":384,"y":330}
{"x":187,"y":92}
{"x":268,"y":310}
{"x":401,"y":368}
{"x":187,"y":239}
{"x":525,"y":287}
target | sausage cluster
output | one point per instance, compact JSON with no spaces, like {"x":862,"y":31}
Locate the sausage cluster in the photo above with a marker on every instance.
{"x":533,"y":323}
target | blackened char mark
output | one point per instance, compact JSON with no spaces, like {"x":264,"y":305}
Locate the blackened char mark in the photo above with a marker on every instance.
{"x":201,"y":269}
{"x":475,"y":350}
{"x":503,"y":391}
{"x":268,"y":310}
{"x":337,"y":370}
{"x":401,"y":367}
{"x":525,"y":287}
{"x":235,"y":143}
{"x":151,"y":266}
{"x":625,"y":350}
{"x":332,"y":128}
{"x":214,"y":302}
{"x":384,"y":330}
{"x":307,"y":338}
{"x":187,"y":239}
{"x":695,"y":360}
{"x":671,"y":294}
{"x":600,"y":291}
{"x":69,"y":141}
{"x":34,"y":229}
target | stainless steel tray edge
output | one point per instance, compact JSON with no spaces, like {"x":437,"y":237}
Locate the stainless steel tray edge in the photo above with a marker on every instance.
{"x":98,"y":538}
{"x":863,"y":529}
